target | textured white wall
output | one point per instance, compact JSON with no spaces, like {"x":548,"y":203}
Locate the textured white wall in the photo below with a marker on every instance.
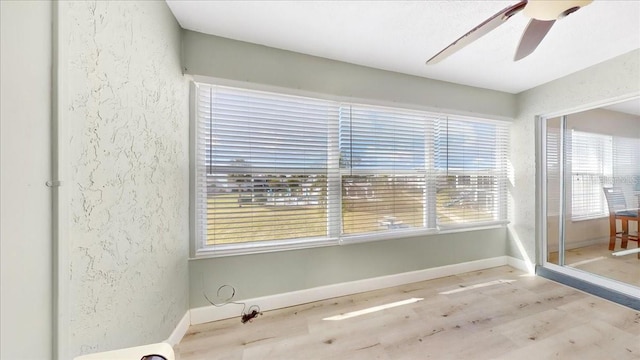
{"x":25,"y":213}
{"x":613,"y":79}
{"x":126,"y":108}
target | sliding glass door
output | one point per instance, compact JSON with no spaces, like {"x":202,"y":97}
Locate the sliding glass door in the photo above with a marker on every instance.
{"x":591,"y":192}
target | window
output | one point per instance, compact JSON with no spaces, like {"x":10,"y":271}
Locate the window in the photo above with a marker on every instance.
{"x":262,"y":167}
{"x":471,"y":171}
{"x":626,"y":167}
{"x":384,"y":156}
{"x":597,"y":161}
{"x":274,"y":171}
{"x":591,"y":170}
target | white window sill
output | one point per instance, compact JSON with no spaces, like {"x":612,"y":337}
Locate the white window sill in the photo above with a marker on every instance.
{"x":261,"y":247}
{"x":276,"y":246}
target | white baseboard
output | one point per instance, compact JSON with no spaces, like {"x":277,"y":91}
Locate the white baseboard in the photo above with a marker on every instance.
{"x":180,"y":330}
{"x":163,"y":349}
{"x":206,"y":314}
{"x":520,"y":264}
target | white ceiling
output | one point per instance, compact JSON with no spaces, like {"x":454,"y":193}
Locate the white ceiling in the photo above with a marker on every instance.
{"x":401,"y":35}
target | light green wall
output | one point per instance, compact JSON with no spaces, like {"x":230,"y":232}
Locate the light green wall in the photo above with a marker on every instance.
{"x":280,"y":272}
{"x":218,"y":57}
{"x":273,"y":273}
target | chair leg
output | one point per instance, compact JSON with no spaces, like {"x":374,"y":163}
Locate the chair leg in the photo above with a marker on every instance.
{"x":637,"y":236}
{"x":625,"y":233}
{"x":612,"y":233}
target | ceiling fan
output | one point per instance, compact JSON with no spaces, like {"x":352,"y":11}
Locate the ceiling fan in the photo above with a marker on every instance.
{"x":543,"y":14}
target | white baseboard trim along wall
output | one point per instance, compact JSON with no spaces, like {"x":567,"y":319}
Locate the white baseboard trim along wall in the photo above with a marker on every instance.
{"x":521,"y":265}
{"x":180,"y":330}
{"x":206,"y":314}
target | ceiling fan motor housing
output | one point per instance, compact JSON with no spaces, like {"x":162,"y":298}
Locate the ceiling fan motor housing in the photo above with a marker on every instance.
{"x":546,"y":10}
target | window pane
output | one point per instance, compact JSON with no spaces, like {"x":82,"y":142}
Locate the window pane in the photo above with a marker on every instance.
{"x":471,"y":164}
{"x":382,"y":202}
{"x":265,"y":159}
{"x":597,"y":161}
{"x":626,"y":167}
{"x":591,"y":157}
{"x":374,"y":138}
{"x":249,"y":206}
{"x":384,"y":154}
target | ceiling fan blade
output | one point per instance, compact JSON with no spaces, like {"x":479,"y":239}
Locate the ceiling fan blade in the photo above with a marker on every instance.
{"x":478,"y":31}
{"x":532,"y":36}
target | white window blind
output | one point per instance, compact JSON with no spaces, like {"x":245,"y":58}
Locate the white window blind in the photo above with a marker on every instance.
{"x":626,"y":168}
{"x":471,"y":171}
{"x":591,"y":157}
{"x":263,"y":166}
{"x":385,"y":155}
{"x":553,"y":167}
{"x":275,"y":171}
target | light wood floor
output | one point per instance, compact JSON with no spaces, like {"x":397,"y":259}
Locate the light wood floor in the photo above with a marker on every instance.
{"x":597,"y":259}
{"x":529,"y":318}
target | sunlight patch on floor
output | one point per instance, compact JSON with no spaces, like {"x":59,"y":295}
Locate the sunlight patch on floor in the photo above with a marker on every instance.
{"x":476,"y":286}
{"x":372,"y":309}
{"x":578,"y":263}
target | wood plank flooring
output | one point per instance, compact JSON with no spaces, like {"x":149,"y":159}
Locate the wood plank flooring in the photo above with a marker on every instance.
{"x":509,"y":316}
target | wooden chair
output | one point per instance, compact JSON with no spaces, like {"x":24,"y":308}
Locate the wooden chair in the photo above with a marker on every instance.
{"x":618,"y":211}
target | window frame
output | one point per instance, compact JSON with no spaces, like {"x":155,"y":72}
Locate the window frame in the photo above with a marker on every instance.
{"x":198,"y":247}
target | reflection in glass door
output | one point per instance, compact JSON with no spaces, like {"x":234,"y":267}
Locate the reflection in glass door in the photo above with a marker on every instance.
{"x":592,"y":180}
{"x":554,"y":185}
